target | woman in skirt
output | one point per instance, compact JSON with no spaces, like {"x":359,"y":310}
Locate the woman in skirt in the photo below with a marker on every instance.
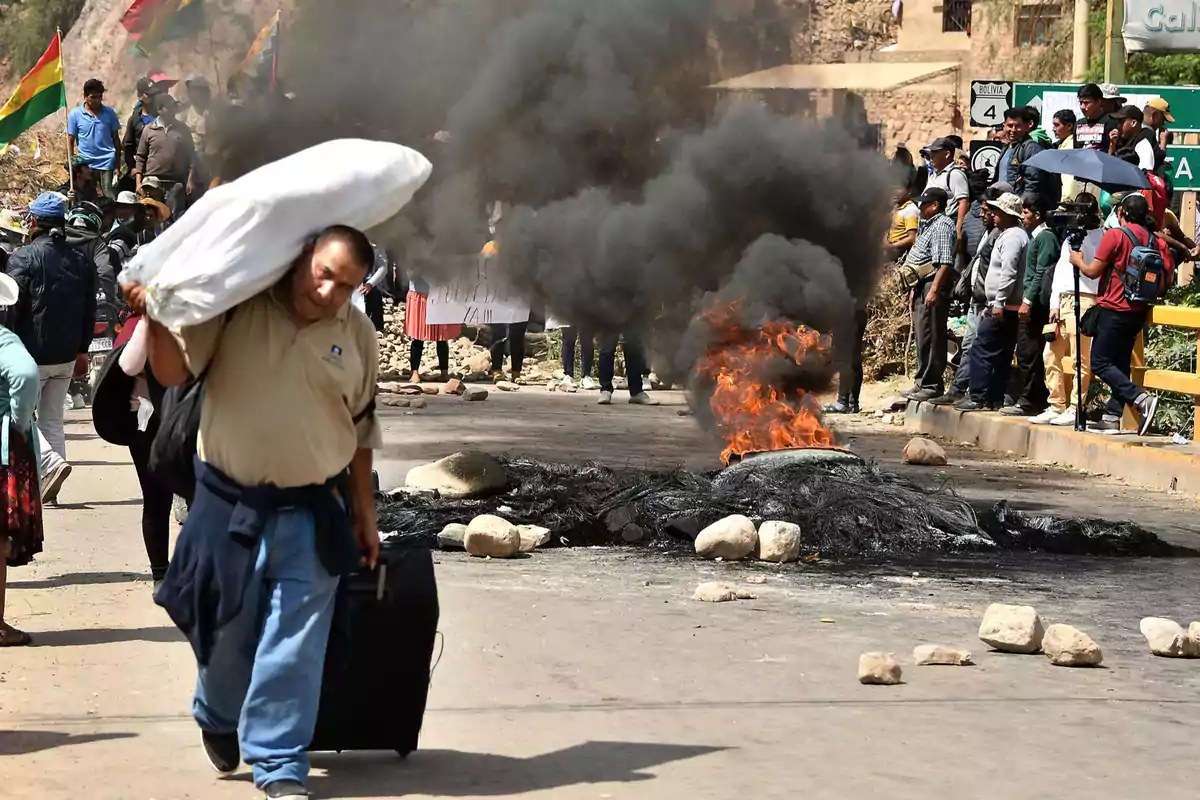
{"x":20,"y":492}
{"x":417,"y":329}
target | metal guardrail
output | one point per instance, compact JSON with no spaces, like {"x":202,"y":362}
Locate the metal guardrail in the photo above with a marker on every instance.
{"x":1165,"y":380}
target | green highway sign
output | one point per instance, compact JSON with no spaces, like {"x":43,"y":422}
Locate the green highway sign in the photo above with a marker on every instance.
{"x":1185,"y":166}
{"x":1051,"y":97}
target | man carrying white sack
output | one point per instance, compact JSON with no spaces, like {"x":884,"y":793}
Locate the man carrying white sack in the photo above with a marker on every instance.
{"x":284,"y":502}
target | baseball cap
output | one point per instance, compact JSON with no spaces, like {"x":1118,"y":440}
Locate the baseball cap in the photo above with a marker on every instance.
{"x":1002,"y":187}
{"x":933,"y":194}
{"x":50,"y":205}
{"x":943,"y":143}
{"x":1129,"y":112}
{"x":1109,"y":91}
{"x":153,"y":182}
{"x":145,"y":86}
{"x":1158,"y":104}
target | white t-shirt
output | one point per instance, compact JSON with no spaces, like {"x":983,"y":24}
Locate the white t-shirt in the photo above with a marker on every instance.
{"x":1064,"y":277}
{"x":1145,"y":154}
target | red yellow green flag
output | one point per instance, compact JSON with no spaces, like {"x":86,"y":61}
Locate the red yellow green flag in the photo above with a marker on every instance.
{"x":152,"y":22}
{"x":39,"y":95}
{"x":260,"y":67}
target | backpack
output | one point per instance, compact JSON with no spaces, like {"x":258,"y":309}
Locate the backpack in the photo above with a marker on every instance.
{"x":1145,"y":273}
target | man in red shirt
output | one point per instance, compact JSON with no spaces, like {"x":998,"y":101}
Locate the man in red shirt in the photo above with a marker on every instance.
{"x":1118,"y":319}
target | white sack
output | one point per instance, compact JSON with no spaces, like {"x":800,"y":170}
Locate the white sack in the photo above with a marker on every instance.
{"x":242,"y":237}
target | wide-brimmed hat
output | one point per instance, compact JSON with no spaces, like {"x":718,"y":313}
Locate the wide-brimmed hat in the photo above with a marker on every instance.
{"x":1008,"y":203}
{"x":9,"y":291}
{"x":128,"y":199}
{"x":11,"y":221}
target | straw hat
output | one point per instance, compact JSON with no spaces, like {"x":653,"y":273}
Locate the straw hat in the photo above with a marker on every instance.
{"x":11,"y":221}
{"x":8,"y":291}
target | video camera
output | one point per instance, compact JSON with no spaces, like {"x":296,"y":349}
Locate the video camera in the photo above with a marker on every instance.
{"x":1074,"y":218}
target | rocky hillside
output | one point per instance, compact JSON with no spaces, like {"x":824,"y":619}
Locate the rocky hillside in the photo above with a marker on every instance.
{"x":97,"y":46}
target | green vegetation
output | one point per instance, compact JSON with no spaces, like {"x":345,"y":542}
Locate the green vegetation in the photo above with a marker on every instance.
{"x":1175,"y":349}
{"x":27,"y":26}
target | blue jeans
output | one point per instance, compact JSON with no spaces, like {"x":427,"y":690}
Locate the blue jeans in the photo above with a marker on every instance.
{"x":962,"y":377}
{"x":264,"y":678}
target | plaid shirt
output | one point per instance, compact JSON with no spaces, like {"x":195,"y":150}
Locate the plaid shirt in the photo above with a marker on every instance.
{"x":936,"y":242}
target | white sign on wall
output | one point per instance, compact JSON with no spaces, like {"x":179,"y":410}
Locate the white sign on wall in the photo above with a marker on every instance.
{"x":1051,"y":102}
{"x":1162,"y":26}
{"x":477,"y":296}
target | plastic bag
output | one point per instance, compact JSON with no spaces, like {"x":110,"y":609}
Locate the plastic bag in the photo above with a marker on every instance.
{"x":241,"y":237}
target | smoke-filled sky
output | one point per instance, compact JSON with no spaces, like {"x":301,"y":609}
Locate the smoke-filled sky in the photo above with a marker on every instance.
{"x":634,"y":200}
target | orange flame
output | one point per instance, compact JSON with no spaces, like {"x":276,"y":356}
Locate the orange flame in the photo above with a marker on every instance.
{"x":754,"y":417}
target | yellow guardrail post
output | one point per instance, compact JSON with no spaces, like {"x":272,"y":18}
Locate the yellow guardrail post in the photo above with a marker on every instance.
{"x":1165,"y":380}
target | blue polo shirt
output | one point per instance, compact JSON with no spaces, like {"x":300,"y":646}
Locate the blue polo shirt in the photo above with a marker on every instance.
{"x":94,"y":135}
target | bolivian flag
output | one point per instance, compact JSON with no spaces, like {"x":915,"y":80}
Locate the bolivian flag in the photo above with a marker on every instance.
{"x":39,"y":95}
{"x":152,"y":22}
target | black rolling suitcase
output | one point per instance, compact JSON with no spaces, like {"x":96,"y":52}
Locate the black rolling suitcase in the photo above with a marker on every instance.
{"x":380,"y":648}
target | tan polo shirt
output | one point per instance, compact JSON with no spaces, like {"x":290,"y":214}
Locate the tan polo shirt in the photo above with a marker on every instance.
{"x":280,"y":401}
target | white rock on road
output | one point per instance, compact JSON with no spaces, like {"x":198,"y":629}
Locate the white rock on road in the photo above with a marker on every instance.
{"x":779,"y":542}
{"x":452,"y":536}
{"x":508,"y":386}
{"x":1012,"y":629}
{"x":470,"y":473}
{"x":937,"y":655}
{"x":879,"y":669}
{"x":533,"y":537}
{"x":1194,"y":637}
{"x":924,"y":452}
{"x":714,"y":593}
{"x":492,"y":536}
{"x":1168,"y":639}
{"x":1067,"y":646}
{"x":732,"y":539}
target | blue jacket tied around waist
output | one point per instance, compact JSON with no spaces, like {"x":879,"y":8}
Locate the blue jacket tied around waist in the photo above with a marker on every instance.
{"x":215,"y":556}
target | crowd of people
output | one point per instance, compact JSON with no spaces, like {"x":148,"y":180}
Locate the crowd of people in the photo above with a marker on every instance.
{"x":1006,"y":252}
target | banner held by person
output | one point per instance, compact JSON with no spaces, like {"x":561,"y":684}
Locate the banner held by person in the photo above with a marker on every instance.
{"x":39,"y":95}
{"x":477,"y":296}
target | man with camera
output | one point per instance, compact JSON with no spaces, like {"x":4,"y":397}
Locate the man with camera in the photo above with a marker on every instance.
{"x":1079,"y":219}
{"x":928,"y":272}
{"x":1135,"y":269}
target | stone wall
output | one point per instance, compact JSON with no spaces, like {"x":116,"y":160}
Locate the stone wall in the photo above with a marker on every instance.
{"x":913,"y":117}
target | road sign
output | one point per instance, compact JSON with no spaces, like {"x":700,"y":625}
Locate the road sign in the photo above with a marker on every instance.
{"x":986,"y":155}
{"x":1185,"y":167}
{"x":1184,"y":100}
{"x":989,"y":101}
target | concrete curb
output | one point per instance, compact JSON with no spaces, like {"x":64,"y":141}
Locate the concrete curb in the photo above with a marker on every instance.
{"x":1144,"y":460}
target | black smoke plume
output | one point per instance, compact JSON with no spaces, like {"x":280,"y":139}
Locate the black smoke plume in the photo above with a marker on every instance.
{"x":632,"y":202}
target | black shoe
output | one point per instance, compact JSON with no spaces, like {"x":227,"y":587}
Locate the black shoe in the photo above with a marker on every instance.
{"x":948,"y":399}
{"x":222,"y":751}
{"x":853,"y":408}
{"x":967,"y":404}
{"x":1148,"y":407}
{"x":925,"y":395}
{"x":280,"y":789}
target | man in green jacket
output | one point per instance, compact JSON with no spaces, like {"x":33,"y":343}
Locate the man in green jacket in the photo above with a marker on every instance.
{"x":1040,"y":258}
